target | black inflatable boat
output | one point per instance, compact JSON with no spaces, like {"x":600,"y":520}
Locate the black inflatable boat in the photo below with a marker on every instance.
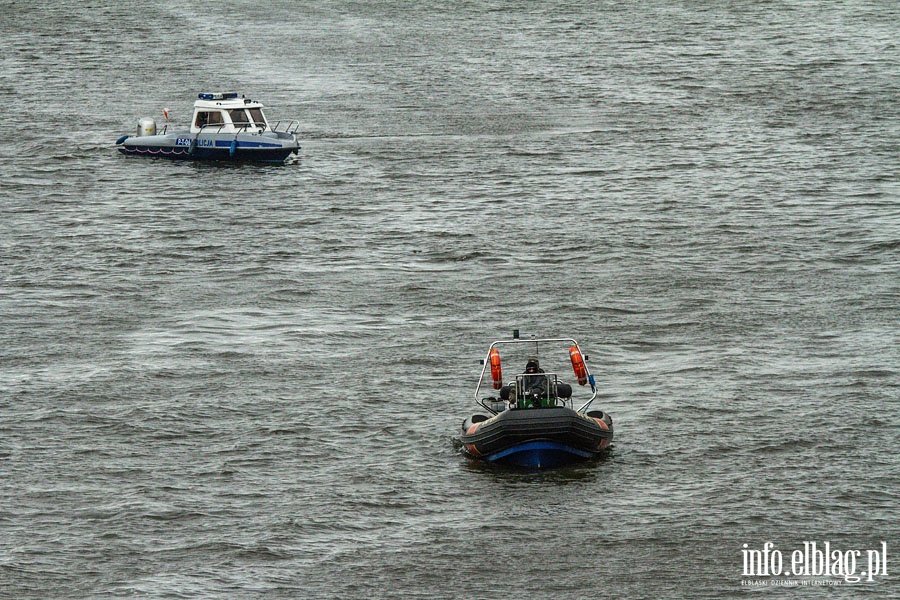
{"x":533,"y":422}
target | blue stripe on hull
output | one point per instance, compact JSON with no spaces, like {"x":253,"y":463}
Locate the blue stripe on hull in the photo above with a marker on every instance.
{"x":539,"y":455}
{"x":240,"y":145}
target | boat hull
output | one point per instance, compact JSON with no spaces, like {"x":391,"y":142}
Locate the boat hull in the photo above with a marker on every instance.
{"x":538,"y":438}
{"x":539,"y":455}
{"x":268,"y":147}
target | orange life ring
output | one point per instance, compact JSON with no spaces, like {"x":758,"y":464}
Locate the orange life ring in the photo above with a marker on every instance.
{"x":578,"y":365}
{"x":496,"y":371}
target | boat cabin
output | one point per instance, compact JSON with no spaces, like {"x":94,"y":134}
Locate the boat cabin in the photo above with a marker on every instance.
{"x":227,"y":113}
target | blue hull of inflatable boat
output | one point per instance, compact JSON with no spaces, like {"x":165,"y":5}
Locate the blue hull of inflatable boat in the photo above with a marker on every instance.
{"x":539,"y":455}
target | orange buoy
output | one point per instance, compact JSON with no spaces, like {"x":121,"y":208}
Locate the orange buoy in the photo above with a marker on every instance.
{"x":578,"y":365}
{"x":496,"y":371}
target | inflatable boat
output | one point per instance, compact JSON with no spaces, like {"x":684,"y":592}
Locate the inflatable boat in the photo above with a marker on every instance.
{"x":223,"y":127}
{"x":533,"y":422}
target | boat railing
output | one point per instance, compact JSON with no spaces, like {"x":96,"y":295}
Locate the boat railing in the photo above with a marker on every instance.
{"x":536,"y":342}
{"x":228,"y":127}
{"x":290,"y":127}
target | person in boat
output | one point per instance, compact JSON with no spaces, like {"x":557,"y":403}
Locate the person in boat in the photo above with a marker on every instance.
{"x":535,"y":391}
{"x":534,"y":383}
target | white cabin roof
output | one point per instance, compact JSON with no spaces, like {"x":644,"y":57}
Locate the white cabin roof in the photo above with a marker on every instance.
{"x":225,"y":100}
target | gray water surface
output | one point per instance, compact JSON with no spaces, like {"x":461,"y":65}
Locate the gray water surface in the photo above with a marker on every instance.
{"x":247,"y":381}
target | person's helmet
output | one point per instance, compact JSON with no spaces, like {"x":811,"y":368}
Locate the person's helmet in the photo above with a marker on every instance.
{"x":532,"y":366}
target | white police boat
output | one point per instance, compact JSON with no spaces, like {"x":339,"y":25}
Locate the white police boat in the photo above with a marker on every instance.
{"x":223,"y":127}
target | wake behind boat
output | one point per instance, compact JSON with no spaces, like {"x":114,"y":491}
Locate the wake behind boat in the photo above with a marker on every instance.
{"x":223,"y":127}
{"x":533,"y":423}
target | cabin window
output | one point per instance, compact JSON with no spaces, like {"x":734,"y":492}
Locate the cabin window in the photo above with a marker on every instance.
{"x":239,"y":117}
{"x":209,"y":117}
{"x":257,"y":115}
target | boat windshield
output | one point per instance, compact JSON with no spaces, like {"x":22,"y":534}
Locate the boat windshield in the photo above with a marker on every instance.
{"x":239,"y":117}
{"x":242,"y":117}
{"x":257,"y":115}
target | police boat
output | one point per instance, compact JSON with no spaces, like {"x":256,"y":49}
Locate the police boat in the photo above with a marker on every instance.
{"x":533,"y":422}
{"x":223,"y":127}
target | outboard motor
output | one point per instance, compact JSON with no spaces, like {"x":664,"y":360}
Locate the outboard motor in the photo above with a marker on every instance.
{"x":146,"y":126}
